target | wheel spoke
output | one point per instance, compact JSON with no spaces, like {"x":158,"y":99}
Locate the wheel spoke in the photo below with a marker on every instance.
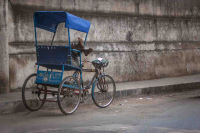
{"x":69,"y":94}
{"x":32,"y":97}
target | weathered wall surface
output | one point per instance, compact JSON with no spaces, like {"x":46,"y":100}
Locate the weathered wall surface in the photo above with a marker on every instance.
{"x":4,"y":55}
{"x":143,"y":39}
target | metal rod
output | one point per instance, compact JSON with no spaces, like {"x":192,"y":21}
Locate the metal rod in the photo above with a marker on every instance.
{"x":70,"y":47}
{"x":81,"y":79}
{"x":85,"y":39}
{"x":63,"y":70}
{"x":35,"y":31}
{"x":38,"y":66}
{"x":53,"y":38}
{"x":88,"y":70}
{"x":80,"y":60}
{"x":90,"y":83}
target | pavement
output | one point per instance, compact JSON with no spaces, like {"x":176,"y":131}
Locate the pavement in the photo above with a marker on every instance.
{"x":12,"y":102}
{"x":176,"y":112}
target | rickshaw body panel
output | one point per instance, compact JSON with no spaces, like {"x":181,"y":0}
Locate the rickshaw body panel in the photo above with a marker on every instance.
{"x":48,"y":77}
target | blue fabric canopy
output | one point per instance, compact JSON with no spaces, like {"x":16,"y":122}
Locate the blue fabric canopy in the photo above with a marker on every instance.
{"x":49,"y":20}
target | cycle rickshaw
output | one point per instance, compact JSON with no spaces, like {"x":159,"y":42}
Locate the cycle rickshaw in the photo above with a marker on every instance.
{"x":56,"y":60}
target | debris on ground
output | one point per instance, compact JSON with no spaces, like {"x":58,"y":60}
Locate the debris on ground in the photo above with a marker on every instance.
{"x":148,"y":97}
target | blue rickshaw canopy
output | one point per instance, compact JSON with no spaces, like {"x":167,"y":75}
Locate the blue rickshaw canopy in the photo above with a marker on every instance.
{"x":49,"y":20}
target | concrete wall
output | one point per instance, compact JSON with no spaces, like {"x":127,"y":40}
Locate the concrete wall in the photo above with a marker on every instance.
{"x":143,"y":39}
{"x":4,"y":55}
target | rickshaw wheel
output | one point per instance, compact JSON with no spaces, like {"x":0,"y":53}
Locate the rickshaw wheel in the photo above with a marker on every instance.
{"x":33,"y":97}
{"x":69,"y":94}
{"x":103,"y":91}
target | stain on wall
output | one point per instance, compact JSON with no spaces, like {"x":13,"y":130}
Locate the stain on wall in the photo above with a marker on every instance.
{"x":3,"y":82}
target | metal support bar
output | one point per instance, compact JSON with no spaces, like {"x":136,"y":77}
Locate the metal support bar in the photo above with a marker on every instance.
{"x":81,"y":79}
{"x":70,"y":47}
{"x":88,"y":70}
{"x":35,"y":31}
{"x":63,"y":71}
{"x":85,"y":39}
{"x":90,"y":83}
{"x":53,"y":38}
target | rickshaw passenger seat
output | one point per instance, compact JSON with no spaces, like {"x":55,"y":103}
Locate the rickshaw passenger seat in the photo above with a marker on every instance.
{"x":53,"y":55}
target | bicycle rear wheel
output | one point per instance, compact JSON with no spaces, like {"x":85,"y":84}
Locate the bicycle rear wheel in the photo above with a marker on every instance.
{"x":103,"y":91}
{"x":69,"y":94}
{"x":33,"y":95}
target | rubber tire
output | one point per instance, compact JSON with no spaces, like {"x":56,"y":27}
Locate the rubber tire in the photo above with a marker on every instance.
{"x":95,"y":86}
{"x":23,"y":94}
{"x":59,"y":99}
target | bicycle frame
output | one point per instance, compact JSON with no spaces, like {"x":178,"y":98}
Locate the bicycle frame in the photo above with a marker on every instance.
{"x":91,"y":81}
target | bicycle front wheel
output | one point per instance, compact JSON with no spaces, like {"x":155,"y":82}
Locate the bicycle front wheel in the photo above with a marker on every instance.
{"x":103,"y":91}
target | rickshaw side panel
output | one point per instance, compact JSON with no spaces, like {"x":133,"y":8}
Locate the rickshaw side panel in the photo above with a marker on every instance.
{"x":48,"y":77}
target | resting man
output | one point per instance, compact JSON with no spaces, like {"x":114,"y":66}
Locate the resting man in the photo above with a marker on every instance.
{"x":80,"y":47}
